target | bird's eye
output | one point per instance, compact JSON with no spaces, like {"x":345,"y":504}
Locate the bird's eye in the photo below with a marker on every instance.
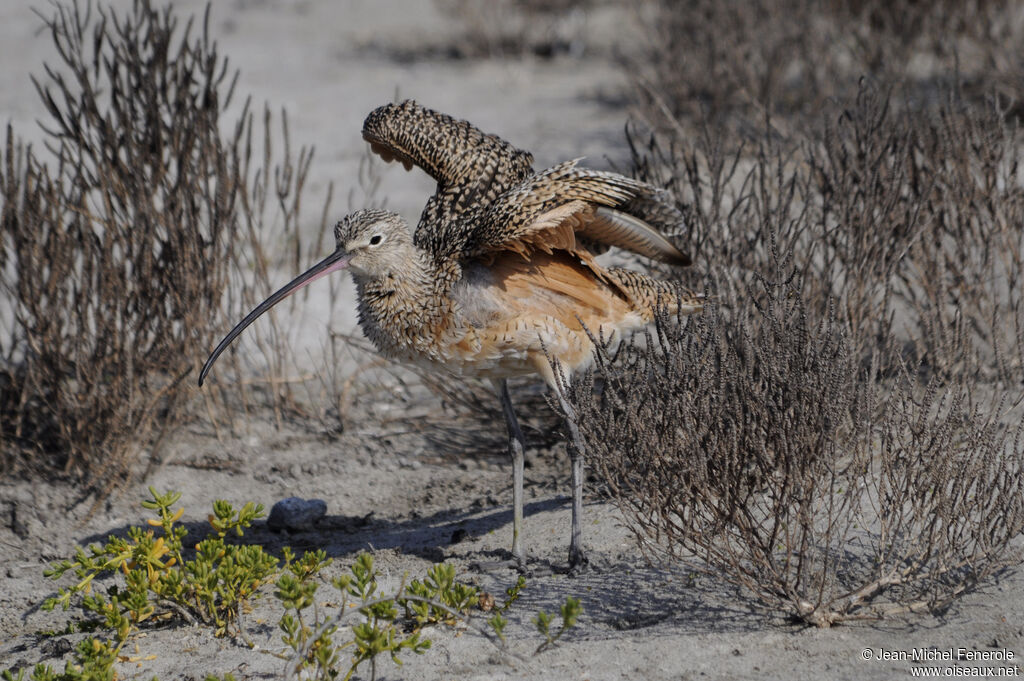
{"x":376,"y":239}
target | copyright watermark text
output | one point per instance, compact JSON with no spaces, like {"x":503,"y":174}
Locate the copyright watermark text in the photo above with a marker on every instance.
{"x":960,"y":662}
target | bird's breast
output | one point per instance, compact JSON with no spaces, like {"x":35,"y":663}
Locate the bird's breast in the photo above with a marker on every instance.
{"x":499,"y":319}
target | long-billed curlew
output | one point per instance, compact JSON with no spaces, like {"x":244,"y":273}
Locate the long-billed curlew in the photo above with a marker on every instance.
{"x":499,"y":275}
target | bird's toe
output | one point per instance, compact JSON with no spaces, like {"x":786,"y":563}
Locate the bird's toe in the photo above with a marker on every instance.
{"x":579,"y":563}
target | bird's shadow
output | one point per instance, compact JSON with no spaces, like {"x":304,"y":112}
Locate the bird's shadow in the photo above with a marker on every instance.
{"x":342,"y":536}
{"x":434,"y":537}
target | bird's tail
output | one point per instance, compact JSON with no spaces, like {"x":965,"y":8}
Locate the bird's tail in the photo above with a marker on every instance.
{"x":649,"y":295}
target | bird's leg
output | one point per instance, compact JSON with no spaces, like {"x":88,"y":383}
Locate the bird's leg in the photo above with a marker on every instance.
{"x":516,"y":447}
{"x":577,"y":557}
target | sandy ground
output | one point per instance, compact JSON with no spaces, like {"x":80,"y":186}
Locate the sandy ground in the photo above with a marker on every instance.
{"x":395,"y":490}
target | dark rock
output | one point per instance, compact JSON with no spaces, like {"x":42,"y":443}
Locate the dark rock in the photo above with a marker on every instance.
{"x":295,"y":514}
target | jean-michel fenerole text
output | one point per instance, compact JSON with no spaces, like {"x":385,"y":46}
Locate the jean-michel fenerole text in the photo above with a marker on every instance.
{"x":948,"y":654}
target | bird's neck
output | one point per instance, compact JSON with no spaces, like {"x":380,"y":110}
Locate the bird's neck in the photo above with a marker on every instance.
{"x":401,"y":311}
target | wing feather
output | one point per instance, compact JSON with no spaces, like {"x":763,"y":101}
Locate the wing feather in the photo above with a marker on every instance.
{"x":592,"y":204}
{"x":489,"y":199}
{"x":471,"y":168}
{"x":616,"y":228}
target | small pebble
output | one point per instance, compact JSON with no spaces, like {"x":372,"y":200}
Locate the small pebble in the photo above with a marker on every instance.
{"x":295,"y":513}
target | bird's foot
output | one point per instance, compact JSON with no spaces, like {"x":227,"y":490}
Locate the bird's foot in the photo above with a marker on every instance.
{"x":535,"y":569}
{"x":512,"y":563}
{"x":578,"y":562}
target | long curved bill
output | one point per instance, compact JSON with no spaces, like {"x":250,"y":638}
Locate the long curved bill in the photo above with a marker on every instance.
{"x":335,"y":261}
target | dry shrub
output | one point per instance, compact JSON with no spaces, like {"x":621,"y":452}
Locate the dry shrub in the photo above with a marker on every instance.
{"x":905,"y":219}
{"x":833,"y":433}
{"x":964,"y":278}
{"x":114,"y":256}
{"x":128,"y":252}
{"x":737,"y":61}
{"x":760,"y":444}
{"x":919,"y":226}
{"x":840,"y":432}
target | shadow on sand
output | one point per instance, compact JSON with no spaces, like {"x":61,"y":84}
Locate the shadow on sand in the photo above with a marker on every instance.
{"x":617,"y":594}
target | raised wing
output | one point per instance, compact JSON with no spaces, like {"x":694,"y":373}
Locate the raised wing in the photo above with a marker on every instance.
{"x":472,"y":169}
{"x":489,"y":199}
{"x":565,"y":205}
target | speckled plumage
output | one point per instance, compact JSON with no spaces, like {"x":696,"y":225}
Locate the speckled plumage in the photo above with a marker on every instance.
{"x":492,"y":213}
{"x":471,"y":168}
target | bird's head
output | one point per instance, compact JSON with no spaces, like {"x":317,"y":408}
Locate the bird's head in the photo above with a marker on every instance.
{"x":370,"y":243}
{"x":376,"y":243}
